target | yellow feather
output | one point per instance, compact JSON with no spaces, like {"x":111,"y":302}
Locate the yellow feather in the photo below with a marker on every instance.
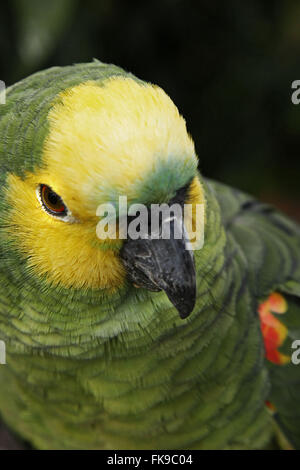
{"x":99,"y":135}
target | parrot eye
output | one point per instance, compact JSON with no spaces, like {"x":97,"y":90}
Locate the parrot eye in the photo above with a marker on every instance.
{"x":52,"y":202}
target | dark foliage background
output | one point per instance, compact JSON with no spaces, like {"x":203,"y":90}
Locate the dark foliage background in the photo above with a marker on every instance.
{"x":227,"y":65}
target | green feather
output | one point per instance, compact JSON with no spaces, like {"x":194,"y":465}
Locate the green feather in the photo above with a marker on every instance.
{"x":86,"y":369}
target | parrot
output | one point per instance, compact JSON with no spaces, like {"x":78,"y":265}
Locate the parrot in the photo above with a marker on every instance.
{"x":136,"y":343}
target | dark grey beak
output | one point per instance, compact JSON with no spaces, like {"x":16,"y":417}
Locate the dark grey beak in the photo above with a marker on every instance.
{"x":163,"y":264}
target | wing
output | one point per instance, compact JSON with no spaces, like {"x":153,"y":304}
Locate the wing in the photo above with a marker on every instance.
{"x":271,"y":244}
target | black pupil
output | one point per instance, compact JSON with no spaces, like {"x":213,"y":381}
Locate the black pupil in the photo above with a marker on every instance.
{"x":53,"y":201}
{"x":53,"y":198}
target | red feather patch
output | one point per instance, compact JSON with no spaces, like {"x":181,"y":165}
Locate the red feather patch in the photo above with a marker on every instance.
{"x":273,"y":331}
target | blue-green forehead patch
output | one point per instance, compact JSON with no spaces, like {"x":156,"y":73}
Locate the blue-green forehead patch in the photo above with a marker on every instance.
{"x":157,"y":186}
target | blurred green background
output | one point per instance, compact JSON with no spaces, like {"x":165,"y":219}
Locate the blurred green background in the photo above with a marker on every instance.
{"x":228,"y":66}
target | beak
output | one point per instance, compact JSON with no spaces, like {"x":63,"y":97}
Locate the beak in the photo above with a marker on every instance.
{"x":164,"y":264}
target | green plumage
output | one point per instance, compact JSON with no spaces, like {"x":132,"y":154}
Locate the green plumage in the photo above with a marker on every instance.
{"x":90,"y":370}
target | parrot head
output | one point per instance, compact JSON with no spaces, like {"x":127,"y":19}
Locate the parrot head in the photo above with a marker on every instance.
{"x":120,"y":137}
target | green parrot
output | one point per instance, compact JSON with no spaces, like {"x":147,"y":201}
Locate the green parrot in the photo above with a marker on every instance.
{"x":116,"y":343}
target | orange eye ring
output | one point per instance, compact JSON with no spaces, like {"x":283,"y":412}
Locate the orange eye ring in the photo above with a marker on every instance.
{"x":52,"y":202}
